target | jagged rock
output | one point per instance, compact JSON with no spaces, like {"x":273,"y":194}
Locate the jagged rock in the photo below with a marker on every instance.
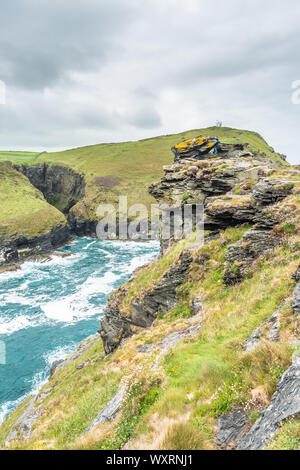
{"x":82,"y":348}
{"x":16,"y":249}
{"x":269,"y":192}
{"x":264,"y":220}
{"x":54,"y":180}
{"x":241,"y":255}
{"x":231,"y":428}
{"x":229,"y":148}
{"x":296,"y":302}
{"x":296,"y":275}
{"x":114,"y":327}
{"x":171,"y":340}
{"x":231,"y":210}
{"x":54,"y":366}
{"x":213,"y":178}
{"x":196,"y":306}
{"x":272,"y":325}
{"x":284,"y":405}
{"x":22,"y":428}
{"x":109,"y":412}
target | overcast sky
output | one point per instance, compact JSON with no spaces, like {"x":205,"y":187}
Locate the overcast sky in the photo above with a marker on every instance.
{"x":80,"y":72}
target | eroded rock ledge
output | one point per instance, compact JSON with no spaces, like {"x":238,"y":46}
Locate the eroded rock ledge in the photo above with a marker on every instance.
{"x":115,"y":326}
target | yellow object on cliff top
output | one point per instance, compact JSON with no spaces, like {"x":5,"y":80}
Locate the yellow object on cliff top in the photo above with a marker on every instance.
{"x":203,"y":143}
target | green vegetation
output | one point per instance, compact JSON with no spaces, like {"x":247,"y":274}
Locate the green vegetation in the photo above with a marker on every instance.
{"x":23,"y":208}
{"x":175,"y":404}
{"x":288,"y":436}
{"x":18,"y":157}
{"x":173,"y":397}
{"x":130,"y":167}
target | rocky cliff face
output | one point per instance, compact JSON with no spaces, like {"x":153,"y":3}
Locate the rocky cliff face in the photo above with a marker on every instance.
{"x":17,"y":249}
{"x":199,"y":347}
{"x":61,"y":186}
{"x":143,"y":310}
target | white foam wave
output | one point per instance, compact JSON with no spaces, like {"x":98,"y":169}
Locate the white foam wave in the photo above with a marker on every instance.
{"x":38,"y":380}
{"x":20,"y":322}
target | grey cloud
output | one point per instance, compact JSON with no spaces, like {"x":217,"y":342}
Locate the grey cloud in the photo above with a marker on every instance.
{"x":86,"y":71}
{"x":41,"y":41}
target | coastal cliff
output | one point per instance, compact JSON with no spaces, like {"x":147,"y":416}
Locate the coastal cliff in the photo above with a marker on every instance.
{"x":199,"y":347}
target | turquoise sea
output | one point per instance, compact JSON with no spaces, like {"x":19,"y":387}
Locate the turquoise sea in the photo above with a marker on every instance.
{"x":47,"y":308}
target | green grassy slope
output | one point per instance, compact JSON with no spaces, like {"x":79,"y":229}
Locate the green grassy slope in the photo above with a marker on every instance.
{"x":18,"y":157}
{"x":23,"y":208}
{"x":176,"y":397}
{"x":128,"y":168}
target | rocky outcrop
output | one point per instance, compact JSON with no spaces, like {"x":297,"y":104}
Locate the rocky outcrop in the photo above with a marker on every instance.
{"x":269,"y":192}
{"x":193,"y":184}
{"x":110,"y":411}
{"x":228,"y":211}
{"x":82,"y":348}
{"x":270,"y":328}
{"x":284,"y":405}
{"x":197,"y":149}
{"x":17,"y":249}
{"x":296,"y":301}
{"x":231,"y":428}
{"x":171,"y":340}
{"x":241,"y":255}
{"x":115,"y":327}
{"x":60,"y":185}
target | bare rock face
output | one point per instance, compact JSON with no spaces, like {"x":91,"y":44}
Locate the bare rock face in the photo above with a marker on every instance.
{"x":228,"y":211}
{"x":269,"y":192}
{"x":296,"y":275}
{"x":114,"y":327}
{"x":284,"y":405}
{"x":109,"y":411}
{"x":296,"y":301}
{"x":54,"y":180}
{"x":241,"y":255}
{"x":231,"y":428}
{"x":17,"y":249}
{"x":271,"y":327}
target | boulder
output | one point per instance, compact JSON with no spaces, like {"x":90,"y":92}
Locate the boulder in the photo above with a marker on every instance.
{"x":284,"y":405}
{"x":231,"y":428}
{"x":241,"y":255}
{"x":296,"y":301}
{"x":268,"y":192}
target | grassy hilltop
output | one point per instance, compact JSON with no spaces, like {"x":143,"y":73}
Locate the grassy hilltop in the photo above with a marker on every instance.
{"x":128,"y":168}
{"x":23,"y":207}
{"x":177,"y":389}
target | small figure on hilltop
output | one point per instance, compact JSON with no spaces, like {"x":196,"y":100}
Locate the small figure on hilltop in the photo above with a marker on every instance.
{"x":216,"y":139}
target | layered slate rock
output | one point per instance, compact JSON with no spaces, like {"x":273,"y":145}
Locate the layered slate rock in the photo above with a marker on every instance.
{"x":228,"y":211}
{"x":241,"y":255}
{"x":296,"y":301}
{"x":17,"y":249}
{"x":268,"y":191}
{"x":284,"y":405}
{"x":114,"y":326}
{"x":231,"y":428}
{"x":55,"y":182}
{"x":271,"y":328}
{"x":110,"y":411}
